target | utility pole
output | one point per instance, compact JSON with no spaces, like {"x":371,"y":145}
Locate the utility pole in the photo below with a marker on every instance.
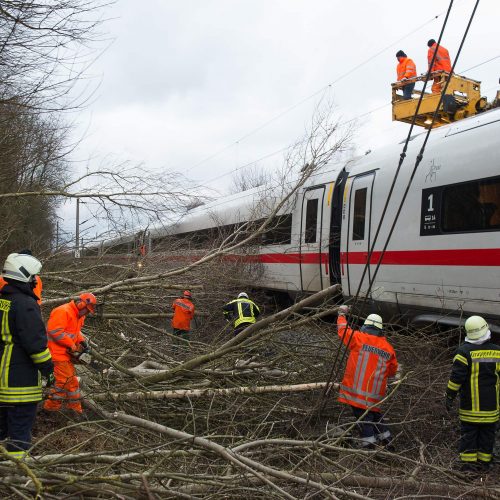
{"x":77,"y":237}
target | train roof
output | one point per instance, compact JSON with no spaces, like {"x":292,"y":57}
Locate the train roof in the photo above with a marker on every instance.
{"x":387,"y":157}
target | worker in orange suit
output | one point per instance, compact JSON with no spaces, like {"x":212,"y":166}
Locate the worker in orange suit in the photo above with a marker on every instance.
{"x":371,"y":362}
{"x":37,"y":290}
{"x":442,"y":62}
{"x":183,"y":308}
{"x":66,"y":342}
{"x":406,"y":69}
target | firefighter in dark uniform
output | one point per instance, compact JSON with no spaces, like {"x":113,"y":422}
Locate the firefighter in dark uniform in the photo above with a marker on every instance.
{"x":476,"y":375}
{"x":242,"y":311}
{"x":23,"y":353}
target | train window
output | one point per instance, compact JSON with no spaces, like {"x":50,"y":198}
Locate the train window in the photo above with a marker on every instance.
{"x":311,"y":221}
{"x":471,"y":206}
{"x":280,"y":231}
{"x":358,"y":224}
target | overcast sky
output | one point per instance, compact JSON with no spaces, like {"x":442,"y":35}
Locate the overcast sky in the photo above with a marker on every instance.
{"x":182,"y":80}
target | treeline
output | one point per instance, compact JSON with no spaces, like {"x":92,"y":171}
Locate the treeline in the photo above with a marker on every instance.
{"x":40,"y":43}
{"x":32,"y":158}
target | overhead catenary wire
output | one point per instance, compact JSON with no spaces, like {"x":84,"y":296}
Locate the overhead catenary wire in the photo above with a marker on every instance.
{"x":350,"y":120}
{"x":419,"y":156}
{"x":417,"y":163}
{"x":245,"y":194}
{"x":338,"y":360}
{"x":418,"y":160}
{"x":482,"y":63}
{"x":315,"y":93}
{"x":283,"y":149}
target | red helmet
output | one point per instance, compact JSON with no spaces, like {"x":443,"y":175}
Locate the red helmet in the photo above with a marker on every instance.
{"x":87,"y":300}
{"x":187,"y":294}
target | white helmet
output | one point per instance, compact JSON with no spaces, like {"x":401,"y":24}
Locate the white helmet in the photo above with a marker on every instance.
{"x":21,"y":267}
{"x":242,"y":295}
{"x":476,"y":327}
{"x":374,"y":320}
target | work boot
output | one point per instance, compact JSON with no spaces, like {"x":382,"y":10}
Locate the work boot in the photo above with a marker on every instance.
{"x":468,"y":467}
{"x":483,"y":467}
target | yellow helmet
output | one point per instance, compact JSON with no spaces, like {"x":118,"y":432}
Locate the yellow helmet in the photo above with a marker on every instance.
{"x":476,"y":327}
{"x":374,"y":320}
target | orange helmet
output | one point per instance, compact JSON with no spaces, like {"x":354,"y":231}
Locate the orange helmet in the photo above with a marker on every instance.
{"x":87,"y":300}
{"x":187,"y":294}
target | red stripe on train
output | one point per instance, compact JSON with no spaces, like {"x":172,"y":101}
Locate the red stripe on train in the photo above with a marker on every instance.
{"x":455,"y":257}
{"x":282,"y":258}
{"x":452,"y":257}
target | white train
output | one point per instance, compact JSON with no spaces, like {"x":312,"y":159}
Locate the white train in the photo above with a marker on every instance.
{"x":443,"y":260}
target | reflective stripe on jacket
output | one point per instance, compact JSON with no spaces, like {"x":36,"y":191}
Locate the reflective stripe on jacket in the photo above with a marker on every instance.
{"x":442,"y":61}
{"x":476,"y":375}
{"x":64,"y":331}
{"x":23,"y":346}
{"x":371,"y":362}
{"x":66,"y":388}
{"x":406,"y":68}
{"x":242,"y":311}
{"x":183,"y":314}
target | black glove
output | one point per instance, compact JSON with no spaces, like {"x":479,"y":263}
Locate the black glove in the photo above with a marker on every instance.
{"x":46,"y":368}
{"x":84,"y":346}
{"x":449,"y":403}
{"x":50,"y":380}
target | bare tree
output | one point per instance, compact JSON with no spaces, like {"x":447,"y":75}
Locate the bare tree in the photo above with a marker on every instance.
{"x":248,"y":177}
{"x":45,"y":48}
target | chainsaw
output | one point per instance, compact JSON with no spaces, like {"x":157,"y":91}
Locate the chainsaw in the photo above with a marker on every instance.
{"x":82,"y":356}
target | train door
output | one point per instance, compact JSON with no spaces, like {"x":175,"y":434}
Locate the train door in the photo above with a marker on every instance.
{"x":336,"y":227}
{"x":311,"y":258}
{"x":359,"y":234}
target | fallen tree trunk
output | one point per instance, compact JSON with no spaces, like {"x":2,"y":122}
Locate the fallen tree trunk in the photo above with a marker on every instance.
{"x":417,"y":488}
{"x":423,"y":488}
{"x":208,"y":392}
{"x":141,"y":315}
{"x":266,"y":475}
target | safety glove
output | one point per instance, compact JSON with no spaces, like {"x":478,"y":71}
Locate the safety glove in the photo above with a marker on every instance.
{"x":84,"y":346}
{"x":343,"y":310}
{"x":449,"y":403}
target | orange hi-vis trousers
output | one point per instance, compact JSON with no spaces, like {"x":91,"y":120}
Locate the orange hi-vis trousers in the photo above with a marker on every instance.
{"x":65,"y":390}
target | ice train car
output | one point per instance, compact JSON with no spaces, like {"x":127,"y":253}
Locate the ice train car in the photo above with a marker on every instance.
{"x":443,"y":259}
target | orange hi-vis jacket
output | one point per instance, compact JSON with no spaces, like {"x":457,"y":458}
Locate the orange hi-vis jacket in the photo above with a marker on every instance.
{"x":406,"y":68}
{"x":183,"y":314}
{"x":64,"y":331}
{"x":371,"y":362}
{"x":37,"y":290}
{"x":442,"y":61}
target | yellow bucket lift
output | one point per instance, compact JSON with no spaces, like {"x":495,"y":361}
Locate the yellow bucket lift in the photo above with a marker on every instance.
{"x":462,"y":99}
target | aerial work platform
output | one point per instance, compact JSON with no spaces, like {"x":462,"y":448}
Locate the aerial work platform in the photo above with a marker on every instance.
{"x":462,"y":99}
